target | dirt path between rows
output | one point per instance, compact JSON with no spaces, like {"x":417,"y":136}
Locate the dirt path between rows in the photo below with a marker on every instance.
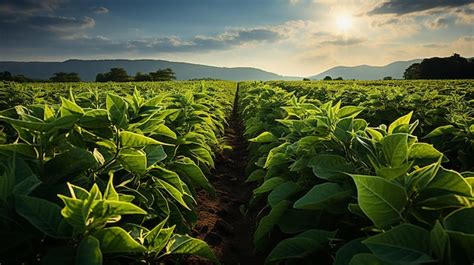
{"x":223,"y":222}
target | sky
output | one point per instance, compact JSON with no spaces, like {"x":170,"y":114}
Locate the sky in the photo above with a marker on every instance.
{"x":288,"y":37}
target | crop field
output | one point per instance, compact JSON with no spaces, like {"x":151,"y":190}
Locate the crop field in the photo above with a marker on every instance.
{"x":209,"y":172}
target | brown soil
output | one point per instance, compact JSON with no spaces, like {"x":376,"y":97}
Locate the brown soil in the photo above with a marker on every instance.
{"x":223,"y":221}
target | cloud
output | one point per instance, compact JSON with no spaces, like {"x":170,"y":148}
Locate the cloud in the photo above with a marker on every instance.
{"x":28,"y":6}
{"x":402,"y":7}
{"x":13,"y":24}
{"x":221,"y":41}
{"x":441,"y":22}
{"x":101,"y":10}
{"x":343,"y":41}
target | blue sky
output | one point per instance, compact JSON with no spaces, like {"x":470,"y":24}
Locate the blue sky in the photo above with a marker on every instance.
{"x":291,"y":37}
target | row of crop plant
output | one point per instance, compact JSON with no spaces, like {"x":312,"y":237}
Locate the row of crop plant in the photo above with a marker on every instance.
{"x":99,"y":178}
{"x":338,"y":190}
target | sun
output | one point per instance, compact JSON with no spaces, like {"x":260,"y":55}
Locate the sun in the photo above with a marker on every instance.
{"x":344,"y":22}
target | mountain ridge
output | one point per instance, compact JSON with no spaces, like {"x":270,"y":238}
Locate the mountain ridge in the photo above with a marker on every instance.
{"x":88,"y":69}
{"x":368,"y":72}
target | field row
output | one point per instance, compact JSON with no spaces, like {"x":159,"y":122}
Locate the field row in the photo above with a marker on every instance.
{"x":91,"y":177}
{"x":338,"y":189}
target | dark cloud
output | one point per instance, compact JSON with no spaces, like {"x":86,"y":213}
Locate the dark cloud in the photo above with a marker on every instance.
{"x":441,"y":22}
{"x":101,"y":10}
{"x":28,"y":6}
{"x":402,"y":7}
{"x":341,"y":41}
{"x":11,"y":25}
{"x":60,"y":43}
{"x":434,"y":45}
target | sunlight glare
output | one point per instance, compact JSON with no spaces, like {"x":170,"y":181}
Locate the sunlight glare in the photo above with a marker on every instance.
{"x":344,"y":22}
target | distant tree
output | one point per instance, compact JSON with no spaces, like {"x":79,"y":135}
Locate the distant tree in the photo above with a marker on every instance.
{"x":412,"y":72}
{"x":453,"y":67}
{"x":139,"y":77}
{"x":115,"y":75}
{"x":100,"y":78}
{"x":118,"y":75}
{"x":387,"y":78}
{"x":5,"y":76}
{"x":163,"y":75}
{"x":65,"y":77}
{"x":338,"y":78}
{"x":327,"y":78}
{"x":306,"y":79}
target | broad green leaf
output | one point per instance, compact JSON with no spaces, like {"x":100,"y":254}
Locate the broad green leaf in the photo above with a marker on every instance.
{"x":38,"y":126}
{"x":381,"y":200}
{"x":446,"y":129}
{"x":330,"y":167}
{"x":117,"y":240}
{"x":460,"y":228}
{"x":404,"y":120}
{"x":395,"y":148}
{"x":132,"y":160}
{"x":405,"y":243}
{"x":68,"y":165}
{"x":88,"y":252}
{"x":423,"y":151}
{"x":135,"y":140}
{"x":154,"y":154}
{"x":174,"y":192}
{"x":421,"y":177}
{"x":345,"y":254}
{"x":300,"y":246}
{"x":283,"y":192}
{"x":376,"y":135}
{"x":183,"y":244}
{"x":349,"y":111}
{"x":256,"y":175}
{"x":22,"y":149}
{"x":391,"y":173}
{"x":461,"y":220}
{"x":96,"y":118}
{"x":27,"y":185}
{"x":154,"y":238}
{"x":203,"y":156}
{"x":452,"y":181}
{"x":440,"y":242}
{"x":44,"y":215}
{"x":269,"y":185}
{"x":117,"y":108}
{"x":188,"y":168}
{"x":265,"y":137}
{"x":322,"y":196}
{"x":165,"y":131}
{"x":68,"y":107}
{"x":120,"y":207}
{"x":267,"y":223}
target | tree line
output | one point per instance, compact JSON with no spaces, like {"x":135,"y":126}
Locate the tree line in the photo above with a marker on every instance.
{"x":453,"y":67}
{"x":114,"y":75}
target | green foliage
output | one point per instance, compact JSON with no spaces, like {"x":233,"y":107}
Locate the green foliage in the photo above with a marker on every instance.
{"x":92,"y":171}
{"x":382,"y":191}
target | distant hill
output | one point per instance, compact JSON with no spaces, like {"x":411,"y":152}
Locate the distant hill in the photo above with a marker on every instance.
{"x":367,"y":72}
{"x":88,"y":69}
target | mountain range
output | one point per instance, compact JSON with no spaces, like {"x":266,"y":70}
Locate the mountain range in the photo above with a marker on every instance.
{"x":88,"y":69}
{"x":367,"y":72}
